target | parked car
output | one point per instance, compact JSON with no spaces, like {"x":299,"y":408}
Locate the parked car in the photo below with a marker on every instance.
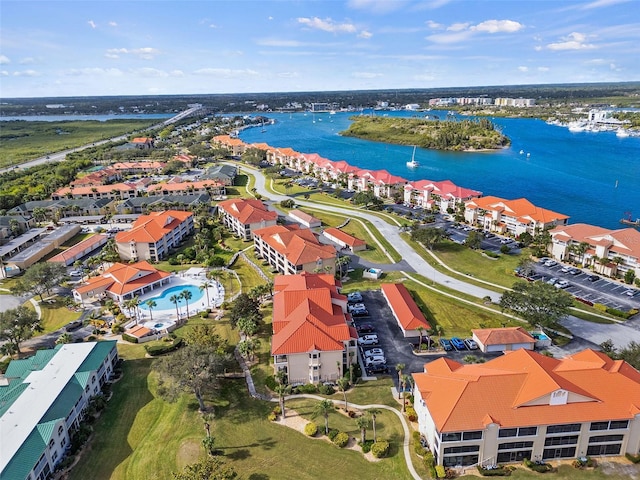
{"x":446,"y":344}
{"x":552,"y":281}
{"x":360,"y":312}
{"x":471,"y":343}
{"x":70,"y":327}
{"x":377,"y":360}
{"x":631,"y":292}
{"x":593,"y":278}
{"x":351,"y":307}
{"x":373,"y":352}
{"x":76,"y":273}
{"x":368,"y":340}
{"x":458,"y":343}
{"x":562,"y":284}
{"x":575,"y":271}
{"x":550,"y":263}
{"x":354,"y":297}
{"x":365,"y":328}
{"x":372,"y":369}
{"x":543,"y":260}
{"x":566,"y":269}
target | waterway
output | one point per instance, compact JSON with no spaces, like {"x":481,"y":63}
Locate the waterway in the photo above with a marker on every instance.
{"x":592,"y":177}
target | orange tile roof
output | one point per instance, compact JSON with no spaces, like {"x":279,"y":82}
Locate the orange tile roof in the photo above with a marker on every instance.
{"x":151,"y":228}
{"x":305,"y":217}
{"x":516,"y":390}
{"x":297,"y":246}
{"x":247,"y":211}
{"x":185,"y":186}
{"x":344,"y":237}
{"x":625,"y":241}
{"x":138,"y":331}
{"x":516,"y":208}
{"x":124,"y":278}
{"x":502,"y":336}
{"x":120,"y":187}
{"x":79,"y":247}
{"x":142,"y":140}
{"x":305,"y":317}
{"x":138,"y":166}
{"x":404,"y":307}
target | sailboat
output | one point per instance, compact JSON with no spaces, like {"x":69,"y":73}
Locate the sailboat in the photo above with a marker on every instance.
{"x":413,"y":163}
{"x":263,"y":129}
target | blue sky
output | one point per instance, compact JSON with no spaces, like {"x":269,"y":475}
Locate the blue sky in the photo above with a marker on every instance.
{"x":80,"y":47}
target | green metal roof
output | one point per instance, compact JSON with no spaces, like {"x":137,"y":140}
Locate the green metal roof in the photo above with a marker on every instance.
{"x":82,"y":378}
{"x":65,"y":401}
{"x":17,"y":368}
{"x":96,"y":357}
{"x":9,"y":394}
{"x":25,"y":458}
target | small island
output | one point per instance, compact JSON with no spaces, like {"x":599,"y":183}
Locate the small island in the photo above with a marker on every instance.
{"x":464,"y":135}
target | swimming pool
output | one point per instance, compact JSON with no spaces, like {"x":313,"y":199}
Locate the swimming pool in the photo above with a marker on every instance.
{"x":163,"y":301}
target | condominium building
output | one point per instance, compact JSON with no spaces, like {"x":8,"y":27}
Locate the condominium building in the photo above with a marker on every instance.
{"x":291,"y":250}
{"x":43,"y":400}
{"x":242,"y":216}
{"x":510,"y":216}
{"x":526,"y":405}
{"x":312,"y":341}
{"x":152,"y":236}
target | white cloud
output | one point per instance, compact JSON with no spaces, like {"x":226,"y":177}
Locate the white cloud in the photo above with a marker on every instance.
{"x":145,"y":53}
{"x":498,"y":26}
{"x":151,"y":72}
{"x":269,"y":17}
{"x":523,"y":69}
{"x":4,"y":73}
{"x":366,"y":75}
{"x":543,"y":69}
{"x":113,"y":24}
{"x":213,"y":25}
{"x":365,"y":34}
{"x":275,"y":42}
{"x":27,"y":61}
{"x":94,"y":71}
{"x":327,"y":25}
{"x":225,"y":72}
{"x":433,"y":25}
{"x":457,"y":27}
{"x":288,"y":74}
{"x":376,"y":6}
{"x":537,"y":48}
{"x":26,"y":73}
{"x":176,"y":73}
{"x":4,"y":60}
{"x":92,"y":24}
{"x":602,"y":3}
{"x":573,"y":41}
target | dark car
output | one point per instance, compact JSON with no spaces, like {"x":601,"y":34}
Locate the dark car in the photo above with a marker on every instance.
{"x":446,"y":344}
{"x":458,"y":343}
{"x":365,"y":328}
{"x":376,"y":369}
{"x":70,"y":327}
{"x":593,"y":278}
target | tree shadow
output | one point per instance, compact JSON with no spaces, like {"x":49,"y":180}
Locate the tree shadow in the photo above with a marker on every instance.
{"x":259,"y":476}
{"x":241,"y":454}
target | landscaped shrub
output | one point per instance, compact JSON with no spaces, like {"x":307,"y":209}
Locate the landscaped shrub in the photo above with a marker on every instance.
{"x":66,"y":462}
{"x":430,"y":463}
{"x":380,"y":449}
{"x":491,"y":254}
{"x":155,"y":350}
{"x":326,"y":390}
{"x":270,"y":383}
{"x":494,"y":472}
{"x":633,"y":458}
{"x":332,"y":433}
{"x":538,"y":467}
{"x":366,"y":446}
{"x":440,"y":471}
{"x":411,"y":414}
{"x":308,"y":388}
{"x":117,"y":328}
{"x":415,"y":435}
{"x":129,"y":338}
{"x":341,"y":439}
{"x":419,"y":449}
{"x":600,"y":307}
{"x":311,"y":429}
{"x":272,"y":417}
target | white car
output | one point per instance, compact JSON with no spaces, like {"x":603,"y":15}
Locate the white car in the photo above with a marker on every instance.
{"x":368,"y":340}
{"x":377,"y":360}
{"x":630,"y":292}
{"x":354,"y":297}
{"x":76,"y":273}
{"x":373,"y":352}
{"x":566,"y":269}
{"x":550,"y":263}
{"x":355,"y":306}
{"x":562,"y":284}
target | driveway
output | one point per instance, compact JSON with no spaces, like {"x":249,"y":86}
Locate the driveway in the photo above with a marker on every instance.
{"x":7,"y":302}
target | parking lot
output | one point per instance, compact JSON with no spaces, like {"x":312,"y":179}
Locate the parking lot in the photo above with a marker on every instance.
{"x":596,"y":290}
{"x":396,"y":348}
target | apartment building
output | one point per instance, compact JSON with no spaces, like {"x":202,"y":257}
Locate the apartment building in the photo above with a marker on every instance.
{"x":511,"y":216}
{"x":152,"y":236}
{"x":291,"y":250}
{"x":526,"y":405}
{"x":242,"y":216}
{"x":312,"y":341}
{"x":113,"y":191}
{"x":43,"y":399}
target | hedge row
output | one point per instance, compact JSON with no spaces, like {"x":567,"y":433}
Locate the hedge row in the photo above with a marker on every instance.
{"x":154,"y":350}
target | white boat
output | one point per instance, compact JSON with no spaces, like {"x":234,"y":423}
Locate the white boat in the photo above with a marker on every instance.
{"x":577,"y":126}
{"x":622,"y":133}
{"x":413,"y":163}
{"x":521,"y":152}
{"x":332,"y":112}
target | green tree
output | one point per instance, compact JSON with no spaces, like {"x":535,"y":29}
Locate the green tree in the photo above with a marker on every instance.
{"x":630,"y":353}
{"x":362,"y":423}
{"x":244,"y":307}
{"x":343,"y":386}
{"x":40,"y":278}
{"x":205,"y":286}
{"x":248,"y":326}
{"x":324,"y":407}
{"x":248,"y":347}
{"x":211,"y":468}
{"x":399,"y":368}
{"x":538,"y":303}
{"x":474,"y":240}
{"x":16,"y":325}
{"x":64,"y":338}
{"x":374,"y":412}
{"x":151,"y":304}
{"x":525,"y":265}
{"x":205,"y":336}
{"x":282,"y":389}
{"x":192,"y":368}
{"x":175,"y":299}
{"x":187,"y":295}
{"x":428,"y":236}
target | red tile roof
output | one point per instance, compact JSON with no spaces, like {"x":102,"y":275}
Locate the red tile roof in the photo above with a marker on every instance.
{"x":180,"y":186}
{"x":404,"y":307}
{"x":247,"y":211}
{"x":101,"y":189}
{"x":520,"y":209}
{"x":297,"y":246}
{"x":344,"y":237}
{"x":123,"y":278}
{"x":625,"y":241}
{"x":503,"y":336}
{"x":305,"y":317}
{"x":151,"y":228}
{"x":303,"y":216}
{"x":516,"y":390}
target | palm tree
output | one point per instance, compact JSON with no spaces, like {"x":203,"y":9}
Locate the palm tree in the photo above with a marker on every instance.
{"x":343,"y":386}
{"x":406,"y":380}
{"x":151,"y":304}
{"x":176,"y":299}
{"x":187,"y":295}
{"x":341,"y":262}
{"x":363,"y":424}
{"x":420,"y":330}
{"x":399,"y":368}
{"x":135,"y":302}
{"x":374,"y":415}
{"x":64,"y":338}
{"x":324,"y":407}
{"x":206,"y":285}
{"x":282,"y":389}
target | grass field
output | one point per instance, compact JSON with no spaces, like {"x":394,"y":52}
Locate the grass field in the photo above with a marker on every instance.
{"x":55,"y":315}
{"x":22,"y":141}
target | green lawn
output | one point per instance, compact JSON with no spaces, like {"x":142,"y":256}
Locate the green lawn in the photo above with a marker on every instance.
{"x":55,"y":315}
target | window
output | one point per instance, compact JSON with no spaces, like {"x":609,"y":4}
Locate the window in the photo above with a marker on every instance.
{"x":606,"y":438}
{"x":451,"y":437}
{"x":515,"y":456}
{"x":616,"y":424}
{"x":599,"y":426}
{"x":612,"y":449}
{"x":60,"y":430}
{"x":54,"y":456}
{"x":514,"y":445}
{"x":460,"y":460}
{"x":566,"y":452}
{"x":51,"y":443}
{"x":527,"y":431}
{"x":462,"y":449}
{"x":569,"y":427}
{"x":566,"y":440}
{"x":475,"y":435}
{"x":508,"y":432}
